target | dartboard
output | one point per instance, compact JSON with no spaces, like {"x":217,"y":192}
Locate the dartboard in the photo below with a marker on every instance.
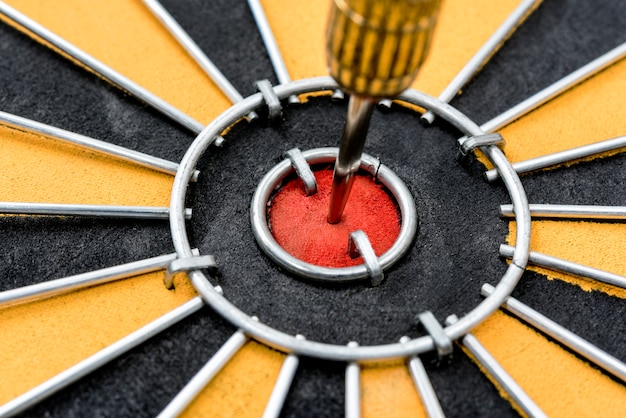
{"x":137,"y":137}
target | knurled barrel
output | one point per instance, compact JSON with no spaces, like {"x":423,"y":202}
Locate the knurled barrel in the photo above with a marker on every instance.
{"x":376,"y":47}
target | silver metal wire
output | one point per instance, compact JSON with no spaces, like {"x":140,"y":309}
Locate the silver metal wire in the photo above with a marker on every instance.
{"x":289,"y":343}
{"x":360,"y":245}
{"x":574,"y":212}
{"x":353,"y":387}
{"x":561,"y":157}
{"x":271,"y":46}
{"x":568,"y":267}
{"x":303,"y":170}
{"x":80,"y":281}
{"x":196,"y":52}
{"x":95,"y":211}
{"x":106,"y":148}
{"x":204,"y":376}
{"x":282,"y":385}
{"x":423,"y":385}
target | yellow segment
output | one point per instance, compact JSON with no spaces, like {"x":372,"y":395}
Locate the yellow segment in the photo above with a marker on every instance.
{"x":41,"y":339}
{"x":387,"y":390}
{"x":463,"y":27}
{"x":242,"y":388}
{"x":45,"y":170}
{"x":590,"y":112}
{"x":300,"y":34}
{"x":124,"y":35}
{"x":598,"y":245}
{"x":560,"y":383}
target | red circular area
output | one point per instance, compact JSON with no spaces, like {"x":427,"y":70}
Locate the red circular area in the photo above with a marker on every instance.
{"x":298,"y":222}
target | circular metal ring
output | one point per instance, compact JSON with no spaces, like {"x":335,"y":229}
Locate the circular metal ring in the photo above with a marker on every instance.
{"x":289,"y":343}
{"x":265,"y":239}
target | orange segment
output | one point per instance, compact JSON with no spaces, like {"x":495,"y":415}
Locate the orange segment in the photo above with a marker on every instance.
{"x":590,"y":112}
{"x":580,"y":242}
{"x":243,"y":387}
{"x":45,"y":170}
{"x":387,"y":390}
{"x":560,"y":383}
{"x":42,"y":339}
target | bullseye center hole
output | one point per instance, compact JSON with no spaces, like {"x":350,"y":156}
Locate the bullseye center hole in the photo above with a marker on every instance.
{"x":299,"y":222}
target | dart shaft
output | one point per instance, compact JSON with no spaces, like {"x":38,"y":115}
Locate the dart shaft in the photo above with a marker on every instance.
{"x":349,"y":157}
{"x":374,"y":49}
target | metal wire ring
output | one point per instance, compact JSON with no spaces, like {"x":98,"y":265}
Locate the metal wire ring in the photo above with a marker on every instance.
{"x":265,"y":239}
{"x":290,"y":344}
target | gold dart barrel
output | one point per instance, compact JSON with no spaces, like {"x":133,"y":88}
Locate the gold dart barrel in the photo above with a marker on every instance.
{"x":375,"y":49}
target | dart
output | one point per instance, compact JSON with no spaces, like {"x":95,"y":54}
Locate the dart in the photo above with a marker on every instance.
{"x":374,"y":51}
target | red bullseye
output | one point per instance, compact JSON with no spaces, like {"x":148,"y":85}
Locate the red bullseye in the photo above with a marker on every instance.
{"x":299,"y":222}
